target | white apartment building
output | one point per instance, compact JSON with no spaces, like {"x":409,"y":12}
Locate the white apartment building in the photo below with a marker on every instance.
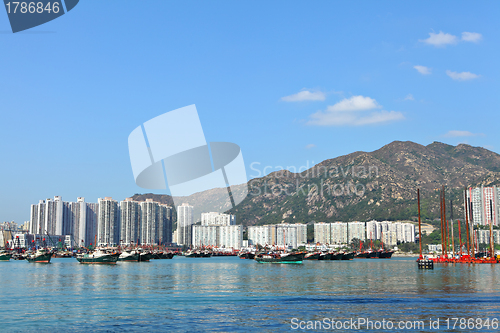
{"x":262,"y":235}
{"x":213,"y":218}
{"x":205,"y":235}
{"x":231,"y":236}
{"x":149,"y":222}
{"x":484,"y":200}
{"x":339,"y":233}
{"x":356,"y":230}
{"x":290,"y":235}
{"x":185,"y":220}
{"x":322,"y":233}
{"x":107,"y":222}
{"x":130,"y":217}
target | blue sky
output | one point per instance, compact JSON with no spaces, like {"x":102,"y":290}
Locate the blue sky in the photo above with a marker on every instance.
{"x":292,"y":82}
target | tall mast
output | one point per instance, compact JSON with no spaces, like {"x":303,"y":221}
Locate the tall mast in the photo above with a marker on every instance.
{"x":471,"y":221}
{"x":466,"y":210}
{"x":445,"y":224}
{"x":442,"y":224}
{"x":419,"y":224}
{"x":459,"y":239}
{"x":451,"y":227}
{"x":492,"y":254}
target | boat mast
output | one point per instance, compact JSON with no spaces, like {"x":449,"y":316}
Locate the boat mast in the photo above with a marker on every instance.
{"x":459,"y":239}
{"x":491,"y":229}
{"x":442,"y":224}
{"x":466,"y":206}
{"x":451,"y":227}
{"x":419,"y":224}
{"x":445,"y":224}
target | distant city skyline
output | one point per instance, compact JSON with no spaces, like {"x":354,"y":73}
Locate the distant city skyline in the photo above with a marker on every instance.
{"x":303,"y":82}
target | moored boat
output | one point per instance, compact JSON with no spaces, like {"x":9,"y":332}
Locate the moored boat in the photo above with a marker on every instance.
{"x":246,"y":255}
{"x":386,"y":254}
{"x":40,"y":256}
{"x":99,"y":256}
{"x":281,"y":258}
{"x":348,"y":255}
{"x":129,"y":255}
{"x":325,"y":256}
{"x":5,"y":255}
{"x":337,"y":256}
{"x":312,"y":256}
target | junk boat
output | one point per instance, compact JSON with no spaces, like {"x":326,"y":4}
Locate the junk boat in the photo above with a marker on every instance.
{"x":99,"y":256}
{"x":40,"y":256}
{"x":281,"y":258}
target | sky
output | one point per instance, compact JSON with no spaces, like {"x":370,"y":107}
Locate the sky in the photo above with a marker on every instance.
{"x":293,"y":83}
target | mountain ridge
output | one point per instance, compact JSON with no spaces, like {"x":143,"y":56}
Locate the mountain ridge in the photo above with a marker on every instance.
{"x":381,"y":185}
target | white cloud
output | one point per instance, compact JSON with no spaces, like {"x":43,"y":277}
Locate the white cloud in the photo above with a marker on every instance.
{"x":355,"y":103}
{"x":409,"y":97}
{"x":310,"y":146}
{"x":423,"y":70}
{"x":454,"y":134}
{"x":353,"y":118}
{"x":305,"y":95}
{"x":471,"y":37}
{"x":352,"y":112}
{"x":464,"y":76}
{"x":440,"y":39}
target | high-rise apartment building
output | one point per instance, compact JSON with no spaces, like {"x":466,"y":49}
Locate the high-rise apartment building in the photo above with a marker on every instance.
{"x":484,"y":200}
{"x":339,"y":233}
{"x":108,"y":230}
{"x":130,"y":221}
{"x":165,"y":224}
{"x":356,"y":230}
{"x":322,"y":233}
{"x":213,"y":218}
{"x":185,"y":220}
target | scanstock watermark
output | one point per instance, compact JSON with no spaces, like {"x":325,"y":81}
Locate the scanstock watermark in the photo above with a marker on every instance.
{"x":474,"y":324}
{"x":334,"y":180}
{"x":25,"y":15}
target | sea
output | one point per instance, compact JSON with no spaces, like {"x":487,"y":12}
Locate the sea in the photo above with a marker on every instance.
{"x":228,"y":294}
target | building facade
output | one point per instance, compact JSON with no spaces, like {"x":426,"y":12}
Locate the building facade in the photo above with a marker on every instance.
{"x":185,"y":220}
{"x":108,"y":231}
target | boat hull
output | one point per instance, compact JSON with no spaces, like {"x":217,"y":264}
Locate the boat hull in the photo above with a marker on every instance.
{"x":325,"y":256}
{"x":108,"y":259}
{"x":41,"y":259}
{"x":5,"y":257}
{"x":337,"y":256}
{"x":295,"y":258}
{"x":131,"y":258}
{"x":385,"y":254}
{"x":348,"y":256}
{"x":312,"y":256}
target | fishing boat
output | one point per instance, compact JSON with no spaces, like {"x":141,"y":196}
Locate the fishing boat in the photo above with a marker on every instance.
{"x":325,"y":256}
{"x":348,"y":255}
{"x":99,"y":256}
{"x":312,"y":256}
{"x":40,"y":256}
{"x":362,"y":255}
{"x":281,"y":258}
{"x":386,"y":254}
{"x":5,"y":255}
{"x":198,"y":254}
{"x":129,"y":255}
{"x":247,"y":255}
{"x":337,"y":256}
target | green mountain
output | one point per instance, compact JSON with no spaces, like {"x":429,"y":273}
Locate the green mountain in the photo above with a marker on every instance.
{"x":361,"y":186}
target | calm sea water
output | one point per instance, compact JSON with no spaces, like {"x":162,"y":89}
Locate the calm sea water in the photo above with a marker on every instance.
{"x":231,"y":294}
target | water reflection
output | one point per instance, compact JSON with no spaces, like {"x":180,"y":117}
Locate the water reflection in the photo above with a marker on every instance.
{"x":231,"y":294}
